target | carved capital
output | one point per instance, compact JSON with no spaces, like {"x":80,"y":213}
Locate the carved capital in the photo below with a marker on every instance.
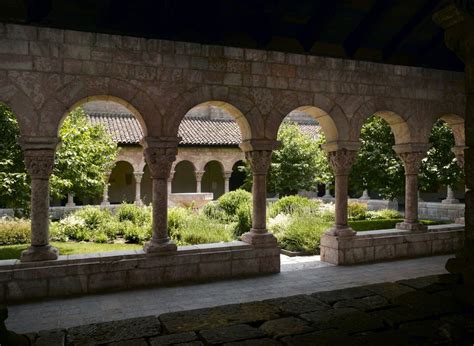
{"x":412,"y":161}
{"x":159,"y":161}
{"x":227,"y":175}
{"x":342,"y":160}
{"x":259,"y":160}
{"x":199,"y":175}
{"x":138,"y":176}
{"x":39,"y":163}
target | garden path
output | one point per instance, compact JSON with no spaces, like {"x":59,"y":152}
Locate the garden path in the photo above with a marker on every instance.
{"x":301,"y":275}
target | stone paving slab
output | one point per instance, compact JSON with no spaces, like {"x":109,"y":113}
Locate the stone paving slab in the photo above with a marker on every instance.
{"x":409,"y":319}
{"x":70,"y":312}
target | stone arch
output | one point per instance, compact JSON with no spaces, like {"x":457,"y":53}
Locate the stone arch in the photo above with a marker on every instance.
{"x":329,"y":115}
{"x":108,"y":98}
{"x":184,"y":177}
{"x":234,"y":103}
{"x":456,"y":123}
{"x":399,"y":125}
{"x":83,"y":89}
{"x":176,"y":163}
{"x":122,"y":183}
{"x":213,"y":179}
{"x":21,"y":106}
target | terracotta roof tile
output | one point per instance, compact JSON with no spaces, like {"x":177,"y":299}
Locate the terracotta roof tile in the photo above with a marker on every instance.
{"x":125,"y":129}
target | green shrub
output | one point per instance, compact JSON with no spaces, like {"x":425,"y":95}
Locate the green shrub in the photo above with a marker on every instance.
{"x":201,"y":230}
{"x":93,"y":217}
{"x":231,"y":201}
{"x":212,"y":210}
{"x":137,"y":214}
{"x":101,"y":237}
{"x":303,"y":234}
{"x":389,"y":214}
{"x":134,"y":233}
{"x":75,"y":228}
{"x":356,"y":210}
{"x":14,"y":231}
{"x":56,"y":233}
{"x":293,"y":204}
{"x":244,"y":219}
{"x":177,"y":219}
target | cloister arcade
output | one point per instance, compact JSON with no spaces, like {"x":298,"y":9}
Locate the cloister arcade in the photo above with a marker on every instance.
{"x":160,"y":81}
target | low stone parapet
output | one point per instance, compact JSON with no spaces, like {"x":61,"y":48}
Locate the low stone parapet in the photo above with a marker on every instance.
{"x":382,"y":245}
{"x":440,"y":211}
{"x":118,"y":270}
{"x":195,"y":200}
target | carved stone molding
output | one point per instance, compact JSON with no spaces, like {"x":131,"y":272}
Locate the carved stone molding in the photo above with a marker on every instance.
{"x":39,"y":163}
{"x":342,"y":160}
{"x":259,"y":160}
{"x":159,"y":161}
{"x":412,"y":161}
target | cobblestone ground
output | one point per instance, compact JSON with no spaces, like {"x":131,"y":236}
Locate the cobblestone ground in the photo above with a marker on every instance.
{"x":422,"y":311}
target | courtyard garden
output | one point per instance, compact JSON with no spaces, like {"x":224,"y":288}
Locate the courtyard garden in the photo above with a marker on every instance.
{"x":297,"y":222}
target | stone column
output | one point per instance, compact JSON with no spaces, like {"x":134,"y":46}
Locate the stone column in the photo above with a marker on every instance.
{"x":365,"y":195}
{"x":138,"y":179}
{"x":459,"y":153}
{"x":105,"y":197}
{"x":258,"y":153}
{"x":327,"y":191}
{"x":70,"y":200}
{"x":450,"y":199}
{"x":341,"y":161}
{"x":226,"y":181}
{"x":160,"y":154}
{"x":199,"y":175}
{"x":39,"y":159}
{"x":411,"y":155}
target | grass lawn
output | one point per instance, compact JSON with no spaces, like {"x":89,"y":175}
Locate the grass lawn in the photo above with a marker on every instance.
{"x":68,"y":248}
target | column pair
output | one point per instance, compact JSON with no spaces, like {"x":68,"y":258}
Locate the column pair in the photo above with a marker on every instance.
{"x":160,"y":153}
{"x":259,"y":153}
{"x":411,"y":155}
{"x":341,"y":158}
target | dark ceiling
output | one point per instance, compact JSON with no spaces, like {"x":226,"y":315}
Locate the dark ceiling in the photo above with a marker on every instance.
{"x":390,"y":31}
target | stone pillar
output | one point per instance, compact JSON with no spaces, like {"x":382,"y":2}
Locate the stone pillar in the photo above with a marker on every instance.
{"x":160,"y":154}
{"x":105,"y":197}
{"x":226,"y":181}
{"x":459,"y":153}
{"x":365,"y":195}
{"x":458,"y":23}
{"x":327,"y":191}
{"x":138,"y":179}
{"x":341,"y":161}
{"x":411,"y":155}
{"x":39,"y":159}
{"x":258,"y":153}
{"x":199,"y":175}
{"x":70,"y":200}
{"x":450,"y":199}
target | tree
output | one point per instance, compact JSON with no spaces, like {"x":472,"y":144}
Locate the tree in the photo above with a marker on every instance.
{"x":86,"y":154}
{"x":377,"y":167}
{"x":439,"y":167}
{"x":299,"y":164}
{"x":15,"y":183}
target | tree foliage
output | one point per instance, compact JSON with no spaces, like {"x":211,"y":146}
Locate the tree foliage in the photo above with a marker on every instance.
{"x":440,"y":167}
{"x":86,"y":152}
{"x":299,"y":164}
{"x":14,"y":182}
{"x":377,"y":167}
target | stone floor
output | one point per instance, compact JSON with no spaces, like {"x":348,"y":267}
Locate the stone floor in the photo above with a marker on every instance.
{"x":422,"y":311}
{"x":300,"y":275}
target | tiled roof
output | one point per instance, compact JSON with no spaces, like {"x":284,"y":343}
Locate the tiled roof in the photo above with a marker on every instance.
{"x":125,"y":129}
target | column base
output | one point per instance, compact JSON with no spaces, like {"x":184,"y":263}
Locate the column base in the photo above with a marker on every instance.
{"x":104,"y":204}
{"x":138,"y":203}
{"x":460,"y":220}
{"x":341,"y":231}
{"x":166,"y":248}
{"x":450,"y":201}
{"x":259,"y":238}
{"x":70,"y":205}
{"x":409,"y":226}
{"x":463,"y":265}
{"x":39,"y":253}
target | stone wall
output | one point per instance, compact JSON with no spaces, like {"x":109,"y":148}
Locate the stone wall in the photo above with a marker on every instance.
{"x":440,"y":211}
{"x":118,"y":270}
{"x":44,"y":72}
